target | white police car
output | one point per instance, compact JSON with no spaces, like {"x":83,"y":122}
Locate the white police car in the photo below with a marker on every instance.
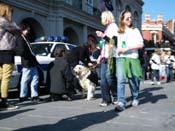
{"x":44,"y":51}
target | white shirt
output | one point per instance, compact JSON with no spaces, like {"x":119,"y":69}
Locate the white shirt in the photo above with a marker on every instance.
{"x":169,"y":59}
{"x":131,"y":37}
{"x":111,"y":30}
{"x":155,"y":62}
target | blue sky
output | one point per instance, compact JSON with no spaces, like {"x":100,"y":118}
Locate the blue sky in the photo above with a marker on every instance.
{"x":155,"y":7}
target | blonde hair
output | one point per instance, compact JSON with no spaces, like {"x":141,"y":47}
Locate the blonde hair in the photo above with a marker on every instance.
{"x":157,"y":51}
{"x":5,"y":11}
{"x":107,"y":17}
{"x":168,"y":52}
{"x":121,"y":28}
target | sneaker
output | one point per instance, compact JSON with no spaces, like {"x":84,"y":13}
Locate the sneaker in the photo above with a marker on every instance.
{"x":66,"y":97}
{"x":8,"y":106}
{"x":103,"y":104}
{"x":22,"y":99}
{"x":135,"y":102}
{"x":36,"y":100}
{"x":158,"y":83}
{"x":120,"y":107}
{"x":152,"y":83}
{"x":115,"y":102}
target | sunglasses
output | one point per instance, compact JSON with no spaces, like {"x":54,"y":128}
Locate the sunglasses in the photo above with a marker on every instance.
{"x":127,"y":19}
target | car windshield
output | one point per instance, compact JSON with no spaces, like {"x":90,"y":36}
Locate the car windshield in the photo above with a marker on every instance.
{"x":41,"y":49}
{"x":71,"y":46}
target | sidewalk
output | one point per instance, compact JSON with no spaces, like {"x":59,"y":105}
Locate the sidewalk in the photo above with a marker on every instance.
{"x":155,"y":112}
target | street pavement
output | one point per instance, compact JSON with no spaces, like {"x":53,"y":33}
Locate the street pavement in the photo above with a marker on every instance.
{"x":155,"y":112}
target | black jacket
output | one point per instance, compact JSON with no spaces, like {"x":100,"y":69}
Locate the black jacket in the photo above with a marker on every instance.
{"x":77,"y":54}
{"x":7,"y":57}
{"x":23,"y":50}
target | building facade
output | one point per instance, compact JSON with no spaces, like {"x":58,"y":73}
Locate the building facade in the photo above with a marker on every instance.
{"x":72,"y":18}
{"x":157,"y":33}
{"x":171,"y":25}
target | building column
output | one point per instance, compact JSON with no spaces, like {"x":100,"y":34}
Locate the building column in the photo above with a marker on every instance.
{"x":60,"y":26}
{"x":51,"y":27}
{"x":85,"y":33}
{"x":84,"y":5}
{"x":115,"y":8}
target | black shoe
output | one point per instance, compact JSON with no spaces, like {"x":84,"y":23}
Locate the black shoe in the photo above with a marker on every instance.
{"x":36,"y":100}
{"x":22,"y":99}
{"x":167,"y":81}
{"x":51,"y":99}
{"x":66,"y":97}
{"x":7,"y":106}
{"x":54,"y":97}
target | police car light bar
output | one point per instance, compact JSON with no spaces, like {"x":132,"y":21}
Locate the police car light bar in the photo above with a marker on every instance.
{"x":52,"y":38}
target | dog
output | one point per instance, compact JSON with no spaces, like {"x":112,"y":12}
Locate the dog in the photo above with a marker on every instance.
{"x":87,"y":79}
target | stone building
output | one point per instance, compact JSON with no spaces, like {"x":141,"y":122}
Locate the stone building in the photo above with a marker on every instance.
{"x":171,"y":26}
{"x":72,"y":18}
{"x":157,"y":32}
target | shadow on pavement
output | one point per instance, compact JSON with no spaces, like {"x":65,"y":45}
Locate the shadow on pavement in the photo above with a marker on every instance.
{"x":75,"y":123}
{"x":4,"y":115}
{"x":147,"y":95}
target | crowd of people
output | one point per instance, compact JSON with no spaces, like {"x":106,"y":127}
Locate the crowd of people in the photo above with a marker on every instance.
{"x":115,"y":62}
{"x":162,"y":66}
{"x":108,"y":62}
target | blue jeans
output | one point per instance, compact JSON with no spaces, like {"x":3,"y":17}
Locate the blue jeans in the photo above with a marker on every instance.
{"x":108,"y":83}
{"x":155,"y":75}
{"x":29,"y":75}
{"x":134,"y":83}
{"x":168,"y":73}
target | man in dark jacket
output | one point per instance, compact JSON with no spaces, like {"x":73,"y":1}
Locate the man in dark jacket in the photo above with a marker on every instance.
{"x":59,"y":77}
{"x":29,"y":63}
{"x":79,"y":55}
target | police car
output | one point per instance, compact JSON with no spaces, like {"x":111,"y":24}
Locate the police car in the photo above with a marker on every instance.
{"x":44,"y":51}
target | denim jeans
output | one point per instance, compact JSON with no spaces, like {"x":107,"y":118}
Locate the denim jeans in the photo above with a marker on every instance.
{"x":29,"y":75}
{"x":5,"y":75}
{"x":134,"y":83}
{"x":168,"y":73}
{"x":108,"y":84}
{"x":155,"y":75}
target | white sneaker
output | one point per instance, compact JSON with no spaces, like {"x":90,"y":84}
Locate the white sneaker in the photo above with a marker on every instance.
{"x":152,"y":83}
{"x":120,"y":107}
{"x":135,"y":102}
{"x":158,"y":83}
{"x":103,"y":104}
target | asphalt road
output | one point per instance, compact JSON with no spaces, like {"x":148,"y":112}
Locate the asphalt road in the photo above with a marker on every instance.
{"x":155,"y":112}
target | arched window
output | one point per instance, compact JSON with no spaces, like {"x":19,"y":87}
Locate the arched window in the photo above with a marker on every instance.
{"x":36,"y":29}
{"x":72,"y":35}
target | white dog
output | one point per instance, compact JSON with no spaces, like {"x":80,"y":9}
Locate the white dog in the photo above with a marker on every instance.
{"x":87,"y":79}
